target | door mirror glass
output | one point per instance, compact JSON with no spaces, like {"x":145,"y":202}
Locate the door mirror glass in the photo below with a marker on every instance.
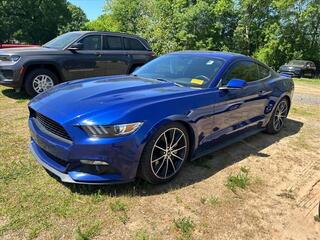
{"x":234,"y":84}
{"x":76,"y":46}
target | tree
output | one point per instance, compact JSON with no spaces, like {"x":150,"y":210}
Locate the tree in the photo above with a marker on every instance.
{"x":77,"y":19}
{"x":32,"y":21}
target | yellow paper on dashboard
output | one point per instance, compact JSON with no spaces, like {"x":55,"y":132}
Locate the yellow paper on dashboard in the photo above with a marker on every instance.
{"x":197,"y":81}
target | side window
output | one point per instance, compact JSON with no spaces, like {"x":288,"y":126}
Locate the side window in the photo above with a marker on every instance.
{"x":244,"y":70}
{"x":91,"y":42}
{"x":112,"y":43}
{"x":133,"y":44}
{"x":263,"y":72}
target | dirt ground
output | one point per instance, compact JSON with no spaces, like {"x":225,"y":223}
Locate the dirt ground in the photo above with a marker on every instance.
{"x":280,"y":200}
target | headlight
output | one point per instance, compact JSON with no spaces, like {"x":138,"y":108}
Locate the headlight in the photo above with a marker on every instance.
{"x":111,"y":131}
{"x":8,"y":58}
{"x":14,"y":58}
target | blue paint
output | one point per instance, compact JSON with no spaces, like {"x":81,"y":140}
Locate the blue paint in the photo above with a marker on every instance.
{"x":213,"y":115}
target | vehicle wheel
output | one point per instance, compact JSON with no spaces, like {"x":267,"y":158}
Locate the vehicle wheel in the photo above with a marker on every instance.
{"x":39,"y":80}
{"x":278,"y":117}
{"x":313,"y":75}
{"x":165,"y":154}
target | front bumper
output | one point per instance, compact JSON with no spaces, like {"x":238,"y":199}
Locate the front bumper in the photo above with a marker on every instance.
{"x":63,"y":159}
{"x":10,"y":76}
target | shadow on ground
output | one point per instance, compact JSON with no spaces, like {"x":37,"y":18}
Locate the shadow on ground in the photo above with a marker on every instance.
{"x":198,"y":170}
{"x":11,"y":93}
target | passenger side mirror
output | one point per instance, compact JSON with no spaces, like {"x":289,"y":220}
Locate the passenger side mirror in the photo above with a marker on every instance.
{"x":234,"y":84}
{"x":76,"y":46}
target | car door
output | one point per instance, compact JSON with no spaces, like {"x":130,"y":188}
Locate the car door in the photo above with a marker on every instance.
{"x":115,"y":58}
{"x":86,"y":62}
{"x":237,"y":109}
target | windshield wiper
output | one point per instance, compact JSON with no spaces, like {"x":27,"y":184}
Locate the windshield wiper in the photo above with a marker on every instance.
{"x":168,"y":81}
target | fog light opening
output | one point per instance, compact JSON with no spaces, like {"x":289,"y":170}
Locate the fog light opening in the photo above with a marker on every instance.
{"x":95,"y":163}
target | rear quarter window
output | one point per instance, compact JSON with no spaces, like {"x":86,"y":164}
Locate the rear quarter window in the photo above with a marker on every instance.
{"x":133,"y":44}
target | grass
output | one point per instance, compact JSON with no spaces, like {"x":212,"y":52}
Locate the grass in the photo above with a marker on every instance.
{"x":88,"y":233}
{"x":307,"y":81}
{"x":141,"y":234}
{"x":35,"y":205}
{"x":185,"y":225}
{"x":120,"y":209}
{"x":212,"y":200}
{"x":239,"y":180}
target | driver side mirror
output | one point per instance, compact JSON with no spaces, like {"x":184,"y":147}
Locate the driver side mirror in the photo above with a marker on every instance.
{"x":234,"y":84}
{"x":76,"y":46}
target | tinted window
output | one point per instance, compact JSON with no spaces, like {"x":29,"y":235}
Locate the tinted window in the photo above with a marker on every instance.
{"x":91,"y":43}
{"x":263,"y":72}
{"x":112,"y":43}
{"x":185,"y":69}
{"x":244,"y":70}
{"x":133,"y":44}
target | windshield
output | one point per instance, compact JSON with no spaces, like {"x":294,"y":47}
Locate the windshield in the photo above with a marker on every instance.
{"x":63,"y":40}
{"x":297,"y":62}
{"x":184,"y":69}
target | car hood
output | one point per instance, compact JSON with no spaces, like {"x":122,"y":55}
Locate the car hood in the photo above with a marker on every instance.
{"x":114,"y":96}
{"x":27,"y":51}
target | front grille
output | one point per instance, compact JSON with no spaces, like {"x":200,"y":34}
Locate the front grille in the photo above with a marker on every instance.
{"x":52,"y":126}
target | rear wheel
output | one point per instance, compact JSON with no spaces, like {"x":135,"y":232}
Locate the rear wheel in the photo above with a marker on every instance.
{"x":39,"y":80}
{"x":165,"y":154}
{"x":277,"y":121}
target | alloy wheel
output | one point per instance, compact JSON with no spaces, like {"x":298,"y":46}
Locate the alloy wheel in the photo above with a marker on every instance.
{"x":168,"y":153}
{"x":280,"y":115}
{"x":42,"y":83}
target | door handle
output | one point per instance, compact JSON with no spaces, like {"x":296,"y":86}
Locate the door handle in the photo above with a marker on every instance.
{"x":98,"y":54}
{"x":263,"y":92}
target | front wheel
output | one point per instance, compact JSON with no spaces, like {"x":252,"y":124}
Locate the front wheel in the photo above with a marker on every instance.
{"x":39,"y":81}
{"x":165,"y":154}
{"x":277,"y":120}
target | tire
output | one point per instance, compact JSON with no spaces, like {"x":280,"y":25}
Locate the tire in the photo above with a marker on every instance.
{"x":159,"y":163}
{"x":279,"y":115}
{"x":39,"y":80}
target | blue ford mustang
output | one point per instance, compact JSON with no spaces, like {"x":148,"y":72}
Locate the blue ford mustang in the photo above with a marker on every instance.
{"x":177,"y":107}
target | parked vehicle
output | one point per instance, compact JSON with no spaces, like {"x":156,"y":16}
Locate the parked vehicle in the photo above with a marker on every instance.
{"x":73,"y":55}
{"x":299,"y":68}
{"x":16,"y":45}
{"x":179,"y":106}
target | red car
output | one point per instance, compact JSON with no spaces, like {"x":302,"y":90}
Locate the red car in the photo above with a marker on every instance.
{"x":16,"y":45}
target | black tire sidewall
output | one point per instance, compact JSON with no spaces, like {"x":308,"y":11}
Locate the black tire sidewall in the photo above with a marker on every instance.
{"x":145,"y":171}
{"x":28,"y":84}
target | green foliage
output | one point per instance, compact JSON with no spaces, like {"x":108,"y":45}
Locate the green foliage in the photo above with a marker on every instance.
{"x":37,"y":21}
{"x":240,"y":180}
{"x":76,"y":20}
{"x":212,"y":200}
{"x":185,"y":225}
{"x":118,"y":206}
{"x":274,"y":31}
{"x":88,"y":233}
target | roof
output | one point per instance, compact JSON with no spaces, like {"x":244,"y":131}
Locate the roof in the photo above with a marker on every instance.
{"x":108,"y":32}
